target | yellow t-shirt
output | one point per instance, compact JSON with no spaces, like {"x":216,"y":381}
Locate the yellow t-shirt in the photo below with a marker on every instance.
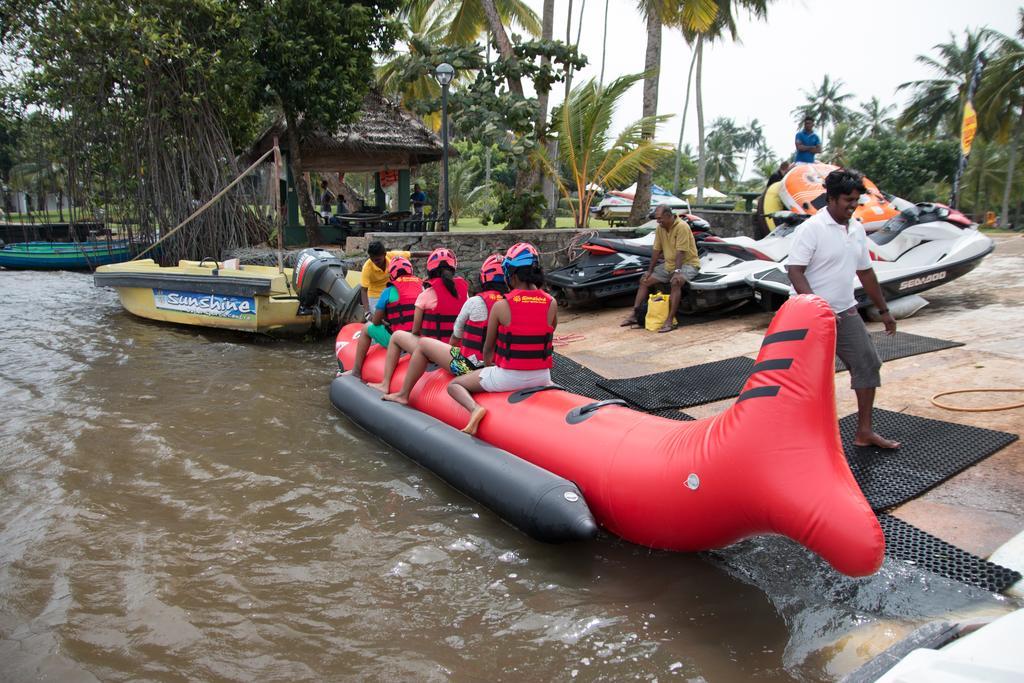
{"x":373,"y":279}
{"x":678,"y":238}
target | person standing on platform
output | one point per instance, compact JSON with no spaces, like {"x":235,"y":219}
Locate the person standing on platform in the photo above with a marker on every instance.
{"x":807,"y":143}
{"x":828,"y":250}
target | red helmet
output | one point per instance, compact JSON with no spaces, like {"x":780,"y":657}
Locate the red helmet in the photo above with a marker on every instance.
{"x":441,"y":257}
{"x":491,"y":270}
{"x":399,"y":266}
{"x":520,"y":254}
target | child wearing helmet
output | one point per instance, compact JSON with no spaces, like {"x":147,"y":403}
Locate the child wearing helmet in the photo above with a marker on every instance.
{"x":393,"y":313}
{"x":442,"y":298}
{"x":464,"y":353}
{"x":519,"y":338}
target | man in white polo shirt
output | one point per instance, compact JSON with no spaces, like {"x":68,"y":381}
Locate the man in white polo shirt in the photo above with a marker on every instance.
{"x":828,"y":250}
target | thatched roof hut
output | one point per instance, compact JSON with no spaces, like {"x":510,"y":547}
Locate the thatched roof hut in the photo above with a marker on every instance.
{"x":384,"y":137}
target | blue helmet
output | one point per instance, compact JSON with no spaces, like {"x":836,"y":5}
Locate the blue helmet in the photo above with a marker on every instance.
{"x":519,"y":254}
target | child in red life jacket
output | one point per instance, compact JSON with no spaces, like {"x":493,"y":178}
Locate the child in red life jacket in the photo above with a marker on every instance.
{"x":465,"y":353}
{"x":393,"y":313}
{"x":519,"y":336}
{"x":442,"y":298}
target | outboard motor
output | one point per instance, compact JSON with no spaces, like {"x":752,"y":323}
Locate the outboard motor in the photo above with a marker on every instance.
{"x":319,"y":280}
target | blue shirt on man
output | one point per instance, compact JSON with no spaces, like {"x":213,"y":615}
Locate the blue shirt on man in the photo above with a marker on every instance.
{"x":808,"y":140}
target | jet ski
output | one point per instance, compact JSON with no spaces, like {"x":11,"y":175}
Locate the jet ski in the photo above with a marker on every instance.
{"x":924,"y":246}
{"x":612,"y":267}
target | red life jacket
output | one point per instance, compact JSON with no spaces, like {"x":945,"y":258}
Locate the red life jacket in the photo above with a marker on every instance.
{"x":525,"y":343}
{"x":474,"y":333}
{"x":439,"y":323}
{"x":398,"y":314}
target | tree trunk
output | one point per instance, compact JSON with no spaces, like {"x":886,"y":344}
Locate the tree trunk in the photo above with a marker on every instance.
{"x":504,"y":44}
{"x":526,"y":178}
{"x":604,"y":43}
{"x":682,"y":126}
{"x":302,"y":187}
{"x":652,"y":61}
{"x":1011,"y":164}
{"x":548,"y":185}
{"x":702,"y":162}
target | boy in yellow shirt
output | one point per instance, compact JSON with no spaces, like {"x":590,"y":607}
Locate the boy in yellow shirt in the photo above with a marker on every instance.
{"x":374,"y":276}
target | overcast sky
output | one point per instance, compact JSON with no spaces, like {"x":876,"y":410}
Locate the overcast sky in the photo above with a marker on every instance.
{"x":870,"y":45}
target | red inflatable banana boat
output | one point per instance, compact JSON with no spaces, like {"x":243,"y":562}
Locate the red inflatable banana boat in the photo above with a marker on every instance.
{"x":771,"y":463}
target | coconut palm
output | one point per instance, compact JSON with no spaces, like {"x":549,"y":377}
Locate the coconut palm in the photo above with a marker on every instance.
{"x":707,"y":21}
{"x":428,"y":24}
{"x":825,"y":104}
{"x":722,"y":145}
{"x":873,"y":118}
{"x":936,"y":104}
{"x":1001,"y":102}
{"x":589,"y":154}
{"x":470,"y":18}
{"x":652,"y":63}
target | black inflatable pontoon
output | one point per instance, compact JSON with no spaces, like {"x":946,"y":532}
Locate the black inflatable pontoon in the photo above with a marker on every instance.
{"x":541,"y":504}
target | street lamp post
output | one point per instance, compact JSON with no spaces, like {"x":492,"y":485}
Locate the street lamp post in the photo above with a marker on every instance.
{"x":444,"y":74}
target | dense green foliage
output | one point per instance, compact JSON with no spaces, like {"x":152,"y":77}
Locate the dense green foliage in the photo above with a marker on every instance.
{"x":905,"y":167}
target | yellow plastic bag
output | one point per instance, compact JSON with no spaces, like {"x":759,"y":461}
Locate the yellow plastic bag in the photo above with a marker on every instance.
{"x":657,"y":311}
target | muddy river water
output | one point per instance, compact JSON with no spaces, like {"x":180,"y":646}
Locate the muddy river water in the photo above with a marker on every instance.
{"x":186,"y":505}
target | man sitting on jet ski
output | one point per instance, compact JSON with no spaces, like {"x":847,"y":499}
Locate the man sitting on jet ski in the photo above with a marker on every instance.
{"x":674,"y":239}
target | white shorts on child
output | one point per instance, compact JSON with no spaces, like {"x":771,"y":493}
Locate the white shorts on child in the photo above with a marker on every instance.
{"x":493,"y":378}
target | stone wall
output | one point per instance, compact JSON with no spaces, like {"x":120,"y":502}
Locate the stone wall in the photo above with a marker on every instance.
{"x":472,"y":248}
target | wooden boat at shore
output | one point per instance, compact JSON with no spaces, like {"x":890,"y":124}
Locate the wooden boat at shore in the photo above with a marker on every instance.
{"x":64,"y":255}
{"x":245,"y":298}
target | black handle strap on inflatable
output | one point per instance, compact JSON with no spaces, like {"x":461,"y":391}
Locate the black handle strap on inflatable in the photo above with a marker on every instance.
{"x":216,"y":266}
{"x":523,"y":394}
{"x":581,"y":413}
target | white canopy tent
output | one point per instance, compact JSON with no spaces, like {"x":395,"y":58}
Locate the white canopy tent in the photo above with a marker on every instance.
{"x":709,"y":192}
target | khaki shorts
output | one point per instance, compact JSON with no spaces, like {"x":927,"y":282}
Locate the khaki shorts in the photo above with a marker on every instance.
{"x":856,"y":350}
{"x":663,"y":276}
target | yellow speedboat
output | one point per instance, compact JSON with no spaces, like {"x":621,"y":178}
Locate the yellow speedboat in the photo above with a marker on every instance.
{"x":312,"y":297}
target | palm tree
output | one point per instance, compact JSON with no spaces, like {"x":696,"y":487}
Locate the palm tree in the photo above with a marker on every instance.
{"x":682,"y":125}
{"x":722,"y":144}
{"x":874,"y":118}
{"x":825,"y":104}
{"x":470,"y":18}
{"x":429,"y":24}
{"x":936,"y":104}
{"x":709,"y":20}
{"x":426,"y":26}
{"x":750,"y":139}
{"x":588,"y":153}
{"x":1001,"y":101}
{"x":652,"y":64}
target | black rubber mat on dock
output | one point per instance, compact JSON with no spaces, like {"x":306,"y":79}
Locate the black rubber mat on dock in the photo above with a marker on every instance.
{"x":584,"y":381}
{"x":578,"y":379}
{"x":908,"y":543}
{"x":901,"y":344}
{"x":684,"y":387}
{"x":931,"y":452}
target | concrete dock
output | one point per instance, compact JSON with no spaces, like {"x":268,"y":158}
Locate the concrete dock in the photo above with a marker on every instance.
{"x":978,"y":510}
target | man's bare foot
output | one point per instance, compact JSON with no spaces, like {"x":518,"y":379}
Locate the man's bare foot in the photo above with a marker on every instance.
{"x":873,"y":439}
{"x":353,"y":373}
{"x":474,"y":420}
{"x":379,"y":386}
{"x":396,"y":398}
{"x":629,"y":322}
